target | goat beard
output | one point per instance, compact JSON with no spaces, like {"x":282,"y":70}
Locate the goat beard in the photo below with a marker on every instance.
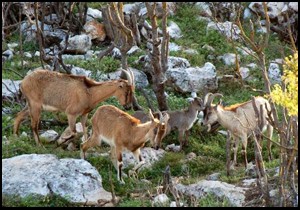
{"x":212,"y":127}
{"x":208,"y":127}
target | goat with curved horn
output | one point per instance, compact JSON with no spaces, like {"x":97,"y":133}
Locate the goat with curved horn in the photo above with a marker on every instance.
{"x":122,"y":132}
{"x":74,"y":95}
{"x":239,"y":120}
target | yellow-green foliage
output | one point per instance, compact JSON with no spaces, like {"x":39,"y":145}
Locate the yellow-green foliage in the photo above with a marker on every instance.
{"x":288,"y":98}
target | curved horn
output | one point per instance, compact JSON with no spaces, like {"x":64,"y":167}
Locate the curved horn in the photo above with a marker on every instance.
{"x":151,"y":115}
{"x":207,"y":96}
{"x":160,"y":116}
{"x":211,"y":98}
{"x":128,"y":76}
{"x":132,"y":77}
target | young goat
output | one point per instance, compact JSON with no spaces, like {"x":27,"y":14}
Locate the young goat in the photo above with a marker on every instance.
{"x":158,"y":133}
{"x":122,"y":132}
{"x":238,"y":119}
{"x":74,"y":95}
{"x":183,"y":120}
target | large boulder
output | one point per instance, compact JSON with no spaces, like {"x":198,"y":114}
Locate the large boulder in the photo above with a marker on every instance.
{"x":140,"y":78}
{"x":10,"y":88}
{"x":225,"y":29}
{"x":235,"y":195}
{"x":78,"y":44}
{"x":95,"y":29}
{"x":149,"y":155}
{"x":192,"y":79}
{"x":74,"y":179}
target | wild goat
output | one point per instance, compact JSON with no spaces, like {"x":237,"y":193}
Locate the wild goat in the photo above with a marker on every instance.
{"x":238,"y":119}
{"x":183,"y":120}
{"x":122,"y":132}
{"x":158,"y":133}
{"x":74,"y":95}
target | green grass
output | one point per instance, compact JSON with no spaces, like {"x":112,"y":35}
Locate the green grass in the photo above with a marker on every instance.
{"x":36,"y":201}
{"x":212,"y":201}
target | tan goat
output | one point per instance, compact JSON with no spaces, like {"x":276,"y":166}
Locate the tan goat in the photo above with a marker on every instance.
{"x":122,"y":132}
{"x":74,"y":95}
{"x":160,"y":132}
{"x":239,"y":120}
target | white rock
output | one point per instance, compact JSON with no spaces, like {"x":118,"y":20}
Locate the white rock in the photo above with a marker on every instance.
{"x":247,"y":14}
{"x":37,"y":53}
{"x":13,"y":45}
{"x":244,"y":72}
{"x":174,"y":30}
{"x":173,"y":204}
{"x":225,"y":29}
{"x":95,"y":13}
{"x":50,"y":135}
{"x":27,"y":55}
{"x":79,"y":43}
{"x":73,"y":57}
{"x":229,"y":58}
{"x":203,"y":19}
{"x":208,"y":47}
{"x":235,"y":195}
{"x":177,"y":62}
{"x":173,"y":148}
{"x":80,"y":71}
{"x":161,"y":200}
{"x":149,"y":155}
{"x":294,"y":6}
{"x":249,"y":182}
{"x":44,"y":174}
{"x":204,"y":7}
{"x":174,"y":47}
{"x":274,"y":73}
{"x":13,"y":86}
{"x":213,"y":177}
{"x":9,"y":54}
{"x":192,"y":78}
{"x":252,"y":65}
{"x":191,"y":51}
{"x":23,"y":134}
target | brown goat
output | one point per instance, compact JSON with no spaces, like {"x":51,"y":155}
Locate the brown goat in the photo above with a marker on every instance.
{"x":74,"y":95}
{"x":122,"y":132}
{"x":160,"y":132}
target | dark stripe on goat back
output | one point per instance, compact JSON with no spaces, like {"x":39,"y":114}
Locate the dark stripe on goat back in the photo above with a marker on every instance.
{"x":114,"y":111}
{"x":133,"y":120}
{"x":87,"y":81}
{"x":235,"y":106}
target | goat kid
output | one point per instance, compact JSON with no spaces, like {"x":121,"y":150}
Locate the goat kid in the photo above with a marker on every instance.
{"x":122,"y":132}
{"x":239,"y":120}
{"x":74,"y":95}
{"x":183,"y":120}
{"x":158,"y":133}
